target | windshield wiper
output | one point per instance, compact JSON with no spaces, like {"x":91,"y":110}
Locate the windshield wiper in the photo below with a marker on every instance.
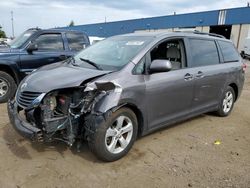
{"x":91,"y":63}
{"x":73,"y":61}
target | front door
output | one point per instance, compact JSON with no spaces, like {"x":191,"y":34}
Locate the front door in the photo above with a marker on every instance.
{"x":169,"y":94}
{"x":50,"y":50}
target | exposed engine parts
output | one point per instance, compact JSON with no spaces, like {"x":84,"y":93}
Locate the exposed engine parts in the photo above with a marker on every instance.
{"x":62,"y":115}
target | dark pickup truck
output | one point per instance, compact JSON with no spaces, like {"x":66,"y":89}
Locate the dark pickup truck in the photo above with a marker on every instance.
{"x":33,"y":49}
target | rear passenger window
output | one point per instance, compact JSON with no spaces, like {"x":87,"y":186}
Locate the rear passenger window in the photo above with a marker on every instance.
{"x":204,"y":52}
{"x":228,"y":51}
{"x":76,"y":41}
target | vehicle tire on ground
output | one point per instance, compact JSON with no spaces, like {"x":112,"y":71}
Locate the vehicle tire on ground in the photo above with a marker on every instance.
{"x":7,"y":87}
{"x":243,"y":55}
{"x":115,"y":136}
{"x":227,"y":102}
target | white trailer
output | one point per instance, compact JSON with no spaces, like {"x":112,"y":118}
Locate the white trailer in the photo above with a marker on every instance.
{"x":246,"y":50}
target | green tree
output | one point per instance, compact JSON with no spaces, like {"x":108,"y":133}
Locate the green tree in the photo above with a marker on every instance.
{"x":71,"y":23}
{"x":2,"y":33}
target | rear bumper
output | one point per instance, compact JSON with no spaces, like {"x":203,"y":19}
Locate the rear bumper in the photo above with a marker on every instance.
{"x":22,"y":127}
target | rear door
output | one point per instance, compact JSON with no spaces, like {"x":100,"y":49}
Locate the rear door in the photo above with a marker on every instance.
{"x":51,"y":49}
{"x":76,"y":41}
{"x":209,"y":73}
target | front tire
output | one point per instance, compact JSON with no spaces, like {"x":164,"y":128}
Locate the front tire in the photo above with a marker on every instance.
{"x":115,"y":136}
{"x":227,"y":102}
{"x":7,"y":87}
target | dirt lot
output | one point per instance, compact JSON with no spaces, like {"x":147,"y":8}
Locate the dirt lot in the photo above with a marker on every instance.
{"x":183,"y":155}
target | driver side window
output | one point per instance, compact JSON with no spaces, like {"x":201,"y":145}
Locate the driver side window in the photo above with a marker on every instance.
{"x":169,"y":50}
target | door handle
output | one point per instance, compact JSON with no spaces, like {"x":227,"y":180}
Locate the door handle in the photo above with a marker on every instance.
{"x":200,"y":74}
{"x":188,"y":77}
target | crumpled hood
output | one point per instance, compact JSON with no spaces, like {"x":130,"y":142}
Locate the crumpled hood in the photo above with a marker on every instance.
{"x":57,"y":76}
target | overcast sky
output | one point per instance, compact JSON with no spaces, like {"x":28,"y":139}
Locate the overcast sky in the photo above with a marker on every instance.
{"x":55,"y":13}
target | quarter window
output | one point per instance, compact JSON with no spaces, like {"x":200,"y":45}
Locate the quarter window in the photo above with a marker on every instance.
{"x":228,"y":51}
{"x":204,"y":52}
{"x":140,"y":67}
{"x":49,"y":42}
{"x":76,"y":41}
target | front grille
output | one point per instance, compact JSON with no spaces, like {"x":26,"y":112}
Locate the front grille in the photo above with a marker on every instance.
{"x":25,"y":98}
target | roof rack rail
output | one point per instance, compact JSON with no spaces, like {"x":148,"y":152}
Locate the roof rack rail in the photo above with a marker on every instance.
{"x":210,"y":34}
{"x":203,"y":33}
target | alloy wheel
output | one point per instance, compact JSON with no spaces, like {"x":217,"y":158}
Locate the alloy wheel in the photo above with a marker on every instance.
{"x":119,"y":134}
{"x":227,"y":102}
{"x":3,"y":87}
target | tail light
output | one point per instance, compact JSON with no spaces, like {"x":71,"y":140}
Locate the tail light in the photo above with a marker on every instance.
{"x":244,"y":67}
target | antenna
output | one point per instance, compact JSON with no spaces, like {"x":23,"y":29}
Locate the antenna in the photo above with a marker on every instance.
{"x":12,"y":23}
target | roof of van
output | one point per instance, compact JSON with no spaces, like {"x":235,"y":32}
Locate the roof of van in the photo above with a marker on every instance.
{"x":177,"y":34}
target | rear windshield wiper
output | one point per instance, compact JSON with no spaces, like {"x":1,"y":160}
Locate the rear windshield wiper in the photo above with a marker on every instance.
{"x":91,"y":63}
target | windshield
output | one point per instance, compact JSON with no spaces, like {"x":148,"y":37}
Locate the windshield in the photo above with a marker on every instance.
{"x":112,"y":53}
{"x":19,"y":41}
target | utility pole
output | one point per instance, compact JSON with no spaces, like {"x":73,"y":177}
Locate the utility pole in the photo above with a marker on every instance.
{"x":12,"y":23}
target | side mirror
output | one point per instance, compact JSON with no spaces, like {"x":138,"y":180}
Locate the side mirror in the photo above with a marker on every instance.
{"x":160,"y":65}
{"x":32,"y":47}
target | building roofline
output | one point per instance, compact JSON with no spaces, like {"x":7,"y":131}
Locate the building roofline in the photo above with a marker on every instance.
{"x":169,"y":15}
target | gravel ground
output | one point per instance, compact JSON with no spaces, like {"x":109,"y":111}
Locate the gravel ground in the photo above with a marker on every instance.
{"x":183,"y":155}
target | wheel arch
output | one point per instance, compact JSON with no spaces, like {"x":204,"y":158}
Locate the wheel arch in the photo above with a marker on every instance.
{"x":236,"y":90}
{"x":10,"y":71}
{"x":139,"y":116}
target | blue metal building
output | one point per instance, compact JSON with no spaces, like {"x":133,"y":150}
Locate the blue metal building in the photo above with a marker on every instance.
{"x":208,"y":18}
{"x":232,"y":23}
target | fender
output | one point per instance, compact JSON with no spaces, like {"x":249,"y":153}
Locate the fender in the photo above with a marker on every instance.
{"x":112,"y":98}
{"x":109,"y":97}
{"x":13,"y":67}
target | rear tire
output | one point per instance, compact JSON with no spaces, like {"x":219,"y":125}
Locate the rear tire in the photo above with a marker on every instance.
{"x":115,"y":136}
{"x":7,"y":87}
{"x":227,"y":102}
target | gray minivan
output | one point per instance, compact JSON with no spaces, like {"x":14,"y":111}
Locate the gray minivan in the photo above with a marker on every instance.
{"x":128,"y":86}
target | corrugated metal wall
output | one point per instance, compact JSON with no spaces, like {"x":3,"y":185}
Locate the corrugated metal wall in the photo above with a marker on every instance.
{"x":238,"y":16}
{"x":233,"y":16}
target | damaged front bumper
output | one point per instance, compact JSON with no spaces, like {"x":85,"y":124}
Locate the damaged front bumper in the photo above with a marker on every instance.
{"x":64,"y":115}
{"x":21,"y":126}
